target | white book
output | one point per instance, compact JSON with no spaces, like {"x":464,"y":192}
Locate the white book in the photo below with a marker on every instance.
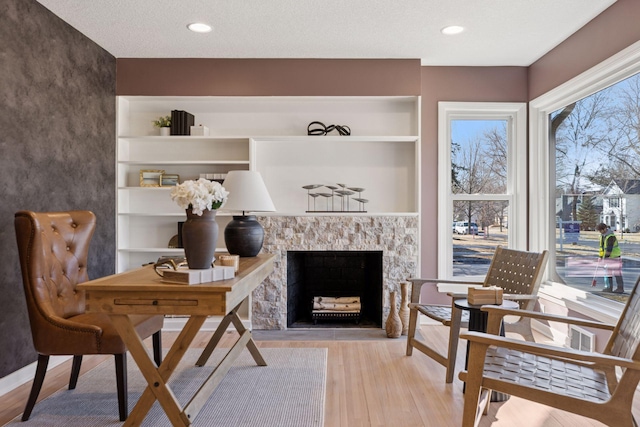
{"x":186,"y":276}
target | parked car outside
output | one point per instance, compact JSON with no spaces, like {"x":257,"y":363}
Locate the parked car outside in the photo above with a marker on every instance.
{"x":463,"y":227}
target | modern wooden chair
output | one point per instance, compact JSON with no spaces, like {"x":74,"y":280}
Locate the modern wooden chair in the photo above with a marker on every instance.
{"x":580,"y":382}
{"x":53,"y":249}
{"x":518,"y":273}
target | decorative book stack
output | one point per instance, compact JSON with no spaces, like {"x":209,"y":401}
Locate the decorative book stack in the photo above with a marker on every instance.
{"x":485,"y":295}
{"x":181,"y":122}
{"x":186,"y":276}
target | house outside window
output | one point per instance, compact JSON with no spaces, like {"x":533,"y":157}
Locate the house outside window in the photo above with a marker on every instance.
{"x":585,"y":164}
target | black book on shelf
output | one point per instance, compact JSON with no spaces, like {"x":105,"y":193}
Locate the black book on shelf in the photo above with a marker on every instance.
{"x":174,"y":122}
{"x":180,"y":130}
{"x":189,"y":120}
{"x":181,"y":122}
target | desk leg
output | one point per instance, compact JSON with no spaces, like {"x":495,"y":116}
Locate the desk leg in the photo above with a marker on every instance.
{"x":157,"y":377}
{"x":215,"y":378}
{"x":200,"y":398}
{"x":232,"y":317}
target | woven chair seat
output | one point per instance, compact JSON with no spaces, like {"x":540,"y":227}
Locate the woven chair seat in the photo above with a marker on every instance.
{"x":441,"y":313}
{"x":546,"y":374}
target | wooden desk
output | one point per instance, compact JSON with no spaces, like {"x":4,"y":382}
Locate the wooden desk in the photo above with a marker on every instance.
{"x":142,"y":291}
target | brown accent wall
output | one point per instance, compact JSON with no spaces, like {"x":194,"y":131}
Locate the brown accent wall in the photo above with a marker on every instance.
{"x":462,"y":84}
{"x":607,"y":34}
{"x":268,"y":77}
{"x":57,"y":150}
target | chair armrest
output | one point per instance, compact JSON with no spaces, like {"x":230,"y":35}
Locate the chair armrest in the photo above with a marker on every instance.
{"x":519,"y":297}
{"x":416,"y":285}
{"x":457,"y":295}
{"x":497,"y":313}
{"x":458,"y":282}
{"x":549,"y":351}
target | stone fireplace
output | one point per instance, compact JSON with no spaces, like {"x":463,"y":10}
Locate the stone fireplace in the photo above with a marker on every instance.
{"x":395,"y":237}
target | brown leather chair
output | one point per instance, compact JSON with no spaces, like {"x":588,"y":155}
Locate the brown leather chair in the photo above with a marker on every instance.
{"x":53,"y":249}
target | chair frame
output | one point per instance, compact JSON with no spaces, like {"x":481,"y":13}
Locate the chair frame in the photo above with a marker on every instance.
{"x":27,"y":225}
{"x":622,"y":351}
{"x":519,"y":273}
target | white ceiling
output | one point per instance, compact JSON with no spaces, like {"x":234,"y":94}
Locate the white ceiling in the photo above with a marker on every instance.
{"x":498,"y":32}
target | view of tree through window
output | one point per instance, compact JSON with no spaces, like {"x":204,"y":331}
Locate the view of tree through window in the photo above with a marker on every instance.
{"x":478,"y":175}
{"x":597,"y":176}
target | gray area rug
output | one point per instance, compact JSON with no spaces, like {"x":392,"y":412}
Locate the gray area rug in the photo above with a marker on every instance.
{"x":289,"y":391}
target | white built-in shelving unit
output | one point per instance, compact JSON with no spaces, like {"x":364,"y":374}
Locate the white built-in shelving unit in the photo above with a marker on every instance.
{"x":267,"y":134}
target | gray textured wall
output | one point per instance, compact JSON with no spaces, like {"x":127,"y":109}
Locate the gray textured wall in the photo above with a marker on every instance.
{"x":57,"y":147}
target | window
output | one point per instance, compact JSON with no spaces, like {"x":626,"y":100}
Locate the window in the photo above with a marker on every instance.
{"x":597,"y":162}
{"x":614,"y":202}
{"x":481,"y":193}
{"x":584,"y":168}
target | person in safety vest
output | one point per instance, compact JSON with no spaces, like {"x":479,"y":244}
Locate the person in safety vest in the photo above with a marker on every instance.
{"x":611,"y":257}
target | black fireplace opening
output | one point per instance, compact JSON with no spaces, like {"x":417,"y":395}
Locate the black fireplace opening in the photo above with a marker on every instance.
{"x":334,"y":274}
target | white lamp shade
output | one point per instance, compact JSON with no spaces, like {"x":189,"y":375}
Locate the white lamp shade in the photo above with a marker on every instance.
{"x":247,"y":192}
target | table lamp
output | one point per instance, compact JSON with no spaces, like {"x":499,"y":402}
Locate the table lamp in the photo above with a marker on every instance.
{"x":244,"y":234}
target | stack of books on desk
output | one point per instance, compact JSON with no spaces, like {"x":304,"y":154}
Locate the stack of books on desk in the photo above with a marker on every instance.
{"x":186,"y":276}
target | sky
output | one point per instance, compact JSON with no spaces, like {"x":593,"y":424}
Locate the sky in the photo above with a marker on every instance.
{"x":463,"y":132}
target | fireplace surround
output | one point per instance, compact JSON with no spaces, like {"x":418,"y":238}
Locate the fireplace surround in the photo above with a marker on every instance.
{"x":394,"y":236}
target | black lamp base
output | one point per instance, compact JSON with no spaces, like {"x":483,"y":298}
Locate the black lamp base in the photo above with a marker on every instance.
{"x":244,"y":236}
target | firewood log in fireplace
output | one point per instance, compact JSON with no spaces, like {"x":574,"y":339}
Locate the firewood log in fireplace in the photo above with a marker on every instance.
{"x":336,"y":308}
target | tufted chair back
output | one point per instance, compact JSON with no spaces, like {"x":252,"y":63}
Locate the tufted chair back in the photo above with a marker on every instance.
{"x":53,"y":250}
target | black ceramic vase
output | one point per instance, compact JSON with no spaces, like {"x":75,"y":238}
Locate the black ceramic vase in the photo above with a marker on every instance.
{"x":244,"y":236}
{"x":199,"y":238}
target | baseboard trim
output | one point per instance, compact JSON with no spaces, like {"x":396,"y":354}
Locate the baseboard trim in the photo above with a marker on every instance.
{"x":26,"y":374}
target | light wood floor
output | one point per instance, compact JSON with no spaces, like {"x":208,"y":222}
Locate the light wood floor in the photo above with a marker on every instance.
{"x":370,"y":382}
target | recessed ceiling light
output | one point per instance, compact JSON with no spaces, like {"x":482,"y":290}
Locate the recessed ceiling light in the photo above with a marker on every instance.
{"x":452,"y":29}
{"x":199,"y":27}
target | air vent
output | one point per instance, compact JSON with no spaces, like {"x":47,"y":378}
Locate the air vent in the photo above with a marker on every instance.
{"x":581,"y":339}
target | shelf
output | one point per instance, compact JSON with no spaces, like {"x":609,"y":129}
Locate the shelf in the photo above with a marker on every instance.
{"x":138,"y":188}
{"x":160,"y":250}
{"x":168,"y":214}
{"x":176,"y":137}
{"x":184,"y":162}
{"x":304,"y":139}
{"x":269,"y":135}
{"x":150,"y":250}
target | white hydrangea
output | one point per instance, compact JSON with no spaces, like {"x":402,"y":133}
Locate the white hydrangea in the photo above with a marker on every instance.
{"x":199,"y":195}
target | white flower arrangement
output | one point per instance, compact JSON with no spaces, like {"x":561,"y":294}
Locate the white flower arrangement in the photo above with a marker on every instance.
{"x":199,"y":195}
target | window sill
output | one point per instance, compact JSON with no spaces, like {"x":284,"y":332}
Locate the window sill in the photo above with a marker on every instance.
{"x":581,"y":302}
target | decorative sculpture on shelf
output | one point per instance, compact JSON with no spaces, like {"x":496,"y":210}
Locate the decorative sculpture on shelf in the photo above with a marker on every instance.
{"x":341,"y":191}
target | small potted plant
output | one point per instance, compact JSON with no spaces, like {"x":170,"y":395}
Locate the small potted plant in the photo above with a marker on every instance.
{"x":164,"y":123}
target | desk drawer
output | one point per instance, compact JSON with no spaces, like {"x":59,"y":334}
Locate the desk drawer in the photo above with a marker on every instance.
{"x":155,"y":301}
{"x":198,"y":303}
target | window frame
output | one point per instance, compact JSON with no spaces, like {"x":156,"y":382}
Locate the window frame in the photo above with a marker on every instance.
{"x":542,"y":161}
{"x":516,"y":195}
